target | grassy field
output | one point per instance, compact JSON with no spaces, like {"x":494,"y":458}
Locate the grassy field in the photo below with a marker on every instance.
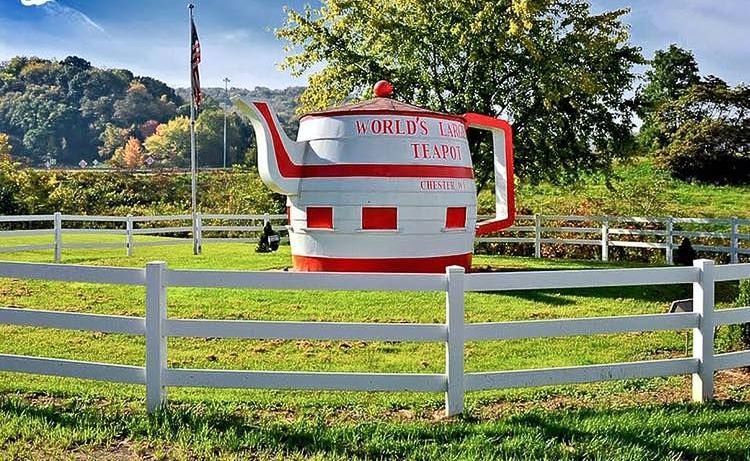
{"x":46,"y":417}
{"x":638,"y":188}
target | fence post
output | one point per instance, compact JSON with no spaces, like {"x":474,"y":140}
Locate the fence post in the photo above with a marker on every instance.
{"x":537,"y":236}
{"x":734,"y":254}
{"x":58,"y":236}
{"x":199,"y":232}
{"x":703,"y":335}
{"x":454,"y":346}
{"x":129,"y":235}
{"x":670,"y":231}
{"x":156,"y":342}
{"x":266,"y":219}
{"x":605,"y":239}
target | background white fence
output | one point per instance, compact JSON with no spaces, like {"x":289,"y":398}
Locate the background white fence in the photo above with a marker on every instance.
{"x":661,"y":234}
{"x":454,"y":332}
{"x":209,"y":227}
{"x":722,"y":235}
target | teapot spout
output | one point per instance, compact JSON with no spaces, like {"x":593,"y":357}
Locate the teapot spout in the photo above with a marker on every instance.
{"x":279,"y":158}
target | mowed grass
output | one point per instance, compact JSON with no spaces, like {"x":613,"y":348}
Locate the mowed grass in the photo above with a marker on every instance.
{"x":48,"y":417}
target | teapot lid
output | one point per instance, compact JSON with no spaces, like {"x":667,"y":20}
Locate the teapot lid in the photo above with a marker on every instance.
{"x":382,"y":104}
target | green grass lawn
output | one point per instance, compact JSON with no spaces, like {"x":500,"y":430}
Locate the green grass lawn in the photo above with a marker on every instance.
{"x":637,"y":188}
{"x":48,"y":417}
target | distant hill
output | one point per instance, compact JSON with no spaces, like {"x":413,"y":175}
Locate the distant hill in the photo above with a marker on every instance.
{"x":63,"y":112}
{"x":60,"y":109}
{"x":284,"y":101}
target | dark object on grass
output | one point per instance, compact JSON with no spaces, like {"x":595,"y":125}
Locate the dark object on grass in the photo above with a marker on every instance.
{"x":269,"y":241}
{"x":681,"y":305}
{"x":685,"y":255}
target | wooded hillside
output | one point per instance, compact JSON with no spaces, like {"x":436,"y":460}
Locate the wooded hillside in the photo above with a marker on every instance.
{"x":67,"y":111}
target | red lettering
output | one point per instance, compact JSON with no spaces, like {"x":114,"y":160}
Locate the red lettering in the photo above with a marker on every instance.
{"x":411,"y":127}
{"x":424,"y":128}
{"x":436,"y":151}
{"x":388,"y":126}
{"x":398,"y":127}
{"x":361,"y":127}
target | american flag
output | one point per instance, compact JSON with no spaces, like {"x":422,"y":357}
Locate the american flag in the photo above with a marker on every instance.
{"x":195,"y":59}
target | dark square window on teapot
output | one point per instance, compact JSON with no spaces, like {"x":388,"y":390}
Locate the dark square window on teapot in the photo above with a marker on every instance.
{"x":379,"y":218}
{"x":319,"y":217}
{"x":455,"y":217}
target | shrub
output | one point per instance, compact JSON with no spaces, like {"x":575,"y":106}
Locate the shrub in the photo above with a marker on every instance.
{"x":707,"y":133}
{"x":27,"y":191}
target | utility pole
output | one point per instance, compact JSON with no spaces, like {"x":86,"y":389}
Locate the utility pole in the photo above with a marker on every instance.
{"x":226,"y":106}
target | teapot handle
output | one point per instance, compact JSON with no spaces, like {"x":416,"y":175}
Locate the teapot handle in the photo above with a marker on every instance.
{"x":502,"y":146}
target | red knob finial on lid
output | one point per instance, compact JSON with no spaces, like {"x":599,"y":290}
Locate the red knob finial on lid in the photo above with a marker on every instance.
{"x":383,"y":89}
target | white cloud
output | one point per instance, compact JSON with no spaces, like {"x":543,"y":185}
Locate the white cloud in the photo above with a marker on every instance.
{"x":72,"y":16}
{"x":34,"y":2}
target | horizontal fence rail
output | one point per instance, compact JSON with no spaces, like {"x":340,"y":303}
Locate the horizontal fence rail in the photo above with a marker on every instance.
{"x":555,"y":328}
{"x":580,"y":374}
{"x":157,"y":327}
{"x":721,"y":236}
{"x":73,"y":369}
{"x":177,"y":227}
{"x":305,"y":280}
{"x":580,"y":279}
{"x":73,"y":321}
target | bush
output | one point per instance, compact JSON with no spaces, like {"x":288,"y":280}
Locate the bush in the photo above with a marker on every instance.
{"x":707,"y":133}
{"x":27,"y":191}
{"x":709,"y":151}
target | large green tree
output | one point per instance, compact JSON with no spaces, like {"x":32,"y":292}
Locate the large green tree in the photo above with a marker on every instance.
{"x":557,"y":71}
{"x":672,"y":72}
{"x":707,"y":133}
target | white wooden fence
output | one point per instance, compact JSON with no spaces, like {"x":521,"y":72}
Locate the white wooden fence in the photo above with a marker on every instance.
{"x":660,"y":234}
{"x":131,"y":226}
{"x":454,"y":382}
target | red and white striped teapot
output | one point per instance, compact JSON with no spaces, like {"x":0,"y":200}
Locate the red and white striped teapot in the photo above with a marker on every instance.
{"x":380,"y":185}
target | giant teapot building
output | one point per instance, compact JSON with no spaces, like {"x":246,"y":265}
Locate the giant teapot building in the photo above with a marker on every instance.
{"x":380,"y":185}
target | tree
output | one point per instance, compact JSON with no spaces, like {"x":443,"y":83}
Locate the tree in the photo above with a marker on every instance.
{"x":557,"y":71}
{"x":5,"y":146}
{"x":9,"y":185}
{"x":170,"y":145}
{"x":673,"y":71}
{"x":111,"y":139}
{"x":209,"y":133}
{"x":132,"y":154}
{"x":139,"y":106}
{"x":147,"y":128}
{"x":707,"y":133}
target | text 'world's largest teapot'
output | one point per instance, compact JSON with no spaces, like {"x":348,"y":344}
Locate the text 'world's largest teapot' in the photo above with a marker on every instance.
{"x":381,"y":186}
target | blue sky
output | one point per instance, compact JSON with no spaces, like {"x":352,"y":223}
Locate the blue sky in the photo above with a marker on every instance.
{"x":149,"y":36}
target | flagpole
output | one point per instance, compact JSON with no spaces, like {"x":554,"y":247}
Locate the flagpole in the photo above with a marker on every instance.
{"x":193,"y":189}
